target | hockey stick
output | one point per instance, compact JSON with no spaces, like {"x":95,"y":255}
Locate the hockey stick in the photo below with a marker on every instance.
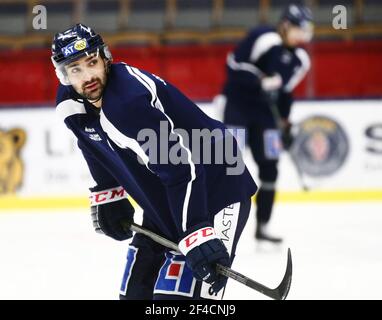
{"x":279,"y":293}
{"x":272,"y":96}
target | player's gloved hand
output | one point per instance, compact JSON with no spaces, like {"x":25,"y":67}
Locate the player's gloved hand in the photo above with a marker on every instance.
{"x":287,"y":137}
{"x":271,"y":83}
{"x":203,"y":250}
{"x":112,"y":217}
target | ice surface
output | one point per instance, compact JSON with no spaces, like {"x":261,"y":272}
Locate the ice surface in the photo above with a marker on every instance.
{"x":336,"y":250}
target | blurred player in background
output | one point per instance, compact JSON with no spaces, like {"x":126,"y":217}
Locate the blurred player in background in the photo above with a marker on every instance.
{"x":262,"y":72}
{"x":109,"y":106}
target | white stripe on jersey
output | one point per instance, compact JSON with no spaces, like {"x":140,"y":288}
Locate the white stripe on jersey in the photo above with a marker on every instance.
{"x":121,"y":140}
{"x":263,"y":44}
{"x":300,"y":72}
{"x":155,"y":103}
{"x":243,"y":66}
{"x":149,"y":84}
{"x":69,"y":107}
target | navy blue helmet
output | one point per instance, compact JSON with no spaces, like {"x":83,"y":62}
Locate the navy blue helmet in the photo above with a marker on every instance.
{"x":75,"y":43}
{"x":297,"y":15}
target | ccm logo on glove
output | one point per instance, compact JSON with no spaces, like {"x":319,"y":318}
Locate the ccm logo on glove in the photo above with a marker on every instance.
{"x":106,"y":196}
{"x":196,"y":238}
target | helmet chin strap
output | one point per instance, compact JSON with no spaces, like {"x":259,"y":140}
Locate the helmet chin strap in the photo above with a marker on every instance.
{"x":94,"y":101}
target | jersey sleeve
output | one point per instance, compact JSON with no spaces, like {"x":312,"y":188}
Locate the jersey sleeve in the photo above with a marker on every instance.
{"x":284,"y":103}
{"x":69,"y":111}
{"x":241,"y":72}
{"x":245,"y":65}
{"x":184,"y":182}
{"x":106,"y":189}
{"x":102,"y":178}
{"x":300,"y":72}
{"x":285,"y":99}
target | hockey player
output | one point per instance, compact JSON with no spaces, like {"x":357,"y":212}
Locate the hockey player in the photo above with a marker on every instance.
{"x":262,"y":72}
{"x":200,"y":205}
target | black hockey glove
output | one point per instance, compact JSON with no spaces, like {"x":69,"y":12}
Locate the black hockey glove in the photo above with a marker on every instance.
{"x":111,"y":216}
{"x":287,"y":136}
{"x":203,"y":250}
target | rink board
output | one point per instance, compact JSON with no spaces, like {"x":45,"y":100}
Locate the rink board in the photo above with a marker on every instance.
{"x":54,"y":174}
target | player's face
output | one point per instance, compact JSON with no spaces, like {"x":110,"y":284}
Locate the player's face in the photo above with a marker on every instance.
{"x":87,"y":76}
{"x":296,"y":36}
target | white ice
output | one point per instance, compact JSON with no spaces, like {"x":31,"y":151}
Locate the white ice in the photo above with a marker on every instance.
{"x":336,"y":250}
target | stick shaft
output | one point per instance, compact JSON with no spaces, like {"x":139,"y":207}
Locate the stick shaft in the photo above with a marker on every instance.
{"x":225,"y":271}
{"x":157,"y":238}
{"x":278,"y":120}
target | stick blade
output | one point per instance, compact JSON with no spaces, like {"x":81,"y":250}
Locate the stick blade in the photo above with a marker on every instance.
{"x":283,"y":289}
{"x":279,"y":293}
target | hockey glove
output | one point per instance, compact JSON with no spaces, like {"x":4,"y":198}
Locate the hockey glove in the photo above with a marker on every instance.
{"x":271,"y":83}
{"x":203,"y":250}
{"x":112,"y":213}
{"x":286,"y":135}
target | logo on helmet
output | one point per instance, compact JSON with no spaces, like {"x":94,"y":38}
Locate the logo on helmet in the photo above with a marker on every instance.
{"x":75,"y":47}
{"x":80,"y":44}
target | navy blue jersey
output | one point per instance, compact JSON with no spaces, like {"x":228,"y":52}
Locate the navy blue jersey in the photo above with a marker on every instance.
{"x":261,"y":53}
{"x":135,"y":103}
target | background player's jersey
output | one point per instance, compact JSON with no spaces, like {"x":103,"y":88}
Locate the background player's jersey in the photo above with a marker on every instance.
{"x":260,"y":54}
{"x":174,"y":197}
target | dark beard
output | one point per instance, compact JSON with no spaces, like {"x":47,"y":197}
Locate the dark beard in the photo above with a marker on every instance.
{"x":90,"y":97}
